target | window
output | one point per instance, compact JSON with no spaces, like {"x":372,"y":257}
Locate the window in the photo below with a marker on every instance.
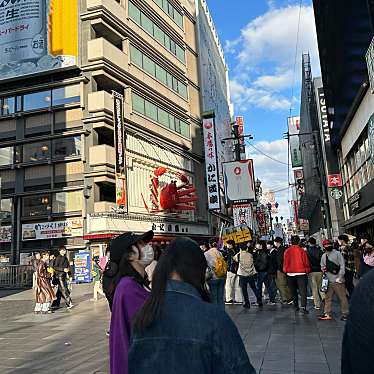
{"x":6,"y":209}
{"x":68,"y":120}
{"x":136,"y":56}
{"x":66,"y":95}
{"x":70,"y":201}
{"x":37,"y":100}
{"x":157,"y":72}
{"x":149,"y":66}
{"x":36,"y":205}
{"x":7,"y":129}
{"x":160,"y":74}
{"x":172,"y":12}
{"x":8,"y":181}
{"x":6,"y":156}
{"x":138,"y":104}
{"x":36,"y":151}
{"x":134,"y":13}
{"x":147,"y":24}
{"x":7,"y":106}
{"x":38,"y":124}
{"x":151,"y":110}
{"x":159,"y":115}
{"x":37,"y":178}
{"x":68,"y":174}
{"x":67,"y":147}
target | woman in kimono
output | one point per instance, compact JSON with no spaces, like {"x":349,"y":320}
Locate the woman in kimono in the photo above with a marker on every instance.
{"x":44,"y":291}
{"x":130,"y":254}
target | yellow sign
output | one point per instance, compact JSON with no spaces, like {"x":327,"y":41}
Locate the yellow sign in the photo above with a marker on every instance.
{"x":239,"y":234}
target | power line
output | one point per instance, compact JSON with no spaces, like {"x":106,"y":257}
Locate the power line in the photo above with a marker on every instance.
{"x":266,"y":155}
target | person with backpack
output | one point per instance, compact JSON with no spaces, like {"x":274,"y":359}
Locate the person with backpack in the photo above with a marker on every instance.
{"x":247,"y":273}
{"x":217,"y":271}
{"x":296,"y":266}
{"x":315,"y":253}
{"x":281,"y":280}
{"x":232,"y":278}
{"x":262,"y":263}
{"x":125,"y":285}
{"x":332,"y":264}
{"x":178,"y":330}
{"x":349,"y":260}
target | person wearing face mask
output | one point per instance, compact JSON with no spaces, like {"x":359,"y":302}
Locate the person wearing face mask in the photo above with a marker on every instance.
{"x":333,"y":265}
{"x":262,"y":263}
{"x":281,"y":280}
{"x":126,"y":290}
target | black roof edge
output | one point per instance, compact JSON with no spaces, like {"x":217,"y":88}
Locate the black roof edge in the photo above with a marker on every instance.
{"x":353,"y":109}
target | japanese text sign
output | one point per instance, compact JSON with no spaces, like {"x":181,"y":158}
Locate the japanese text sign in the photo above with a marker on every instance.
{"x":239,"y":234}
{"x":334,"y":180}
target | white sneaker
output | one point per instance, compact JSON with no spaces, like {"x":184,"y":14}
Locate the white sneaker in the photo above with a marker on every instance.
{"x":71,"y":305}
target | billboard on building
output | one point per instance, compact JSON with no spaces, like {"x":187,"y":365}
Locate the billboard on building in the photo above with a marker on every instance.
{"x":242,"y":214}
{"x":211,"y":164}
{"x":37,"y":36}
{"x":294,"y":141}
{"x":239,"y":181}
{"x":119,"y":145}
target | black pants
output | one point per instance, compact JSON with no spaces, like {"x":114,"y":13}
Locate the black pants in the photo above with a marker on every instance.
{"x":62,"y":291}
{"x":244,"y":282}
{"x":298,"y":283}
{"x":349,"y":282}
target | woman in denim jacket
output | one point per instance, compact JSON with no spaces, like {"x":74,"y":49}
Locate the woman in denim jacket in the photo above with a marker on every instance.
{"x":178,"y":330}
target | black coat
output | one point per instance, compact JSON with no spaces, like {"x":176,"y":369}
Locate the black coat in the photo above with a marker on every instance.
{"x":280,"y":257}
{"x":60,"y":263}
{"x":261,"y":261}
{"x":273,"y":265}
{"x":314,"y":255}
{"x":232,"y":266}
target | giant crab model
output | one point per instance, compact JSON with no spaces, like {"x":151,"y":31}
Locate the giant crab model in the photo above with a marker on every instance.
{"x":170,"y":196}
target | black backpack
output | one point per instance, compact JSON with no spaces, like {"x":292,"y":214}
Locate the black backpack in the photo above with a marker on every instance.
{"x":332,"y":267}
{"x":109,"y":281}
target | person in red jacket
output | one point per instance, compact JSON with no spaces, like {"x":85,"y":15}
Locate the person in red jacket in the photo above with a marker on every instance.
{"x":296,"y":266}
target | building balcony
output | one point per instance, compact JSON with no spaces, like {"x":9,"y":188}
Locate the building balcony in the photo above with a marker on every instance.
{"x":114,"y":8}
{"x":102,"y":155}
{"x":101,"y":51}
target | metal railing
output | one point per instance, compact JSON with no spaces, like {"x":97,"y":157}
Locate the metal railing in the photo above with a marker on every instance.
{"x":16,"y":276}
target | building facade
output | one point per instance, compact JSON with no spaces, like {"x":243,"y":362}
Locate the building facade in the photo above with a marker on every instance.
{"x":343,"y":45}
{"x":57,"y":155}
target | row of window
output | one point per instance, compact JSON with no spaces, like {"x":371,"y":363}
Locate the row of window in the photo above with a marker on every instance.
{"x":145,"y":63}
{"x":147,"y":24}
{"x":170,"y":10}
{"x":55,"y":203}
{"x":40,"y":100}
{"x":39,"y":151}
{"x":165,"y":119}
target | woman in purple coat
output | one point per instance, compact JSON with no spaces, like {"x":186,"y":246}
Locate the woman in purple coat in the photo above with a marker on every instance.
{"x":130,"y":254}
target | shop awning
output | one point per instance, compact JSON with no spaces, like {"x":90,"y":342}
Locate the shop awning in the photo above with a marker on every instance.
{"x":360,"y":219}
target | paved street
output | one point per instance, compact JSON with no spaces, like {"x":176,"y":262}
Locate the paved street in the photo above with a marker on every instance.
{"x":277,"y":340}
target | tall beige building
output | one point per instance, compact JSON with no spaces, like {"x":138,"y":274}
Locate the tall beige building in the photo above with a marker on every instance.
{"x":57,"y":155}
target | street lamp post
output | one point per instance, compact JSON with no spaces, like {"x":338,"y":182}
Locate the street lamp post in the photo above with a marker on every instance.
{"x":270,"y":206}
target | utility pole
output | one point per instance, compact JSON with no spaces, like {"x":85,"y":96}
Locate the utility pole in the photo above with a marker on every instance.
{"x":236,"y":138}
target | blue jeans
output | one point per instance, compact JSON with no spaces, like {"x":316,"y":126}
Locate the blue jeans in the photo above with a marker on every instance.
{"x":264,"y":278}
{"x":217,"y":290}
{"x":244,"y":282}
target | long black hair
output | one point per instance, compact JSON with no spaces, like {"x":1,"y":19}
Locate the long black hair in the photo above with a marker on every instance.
{"x":184,"y":257}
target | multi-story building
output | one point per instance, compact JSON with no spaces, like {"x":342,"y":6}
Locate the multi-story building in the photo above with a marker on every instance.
{"x":57,"y":155}
{"x":349,"y":102}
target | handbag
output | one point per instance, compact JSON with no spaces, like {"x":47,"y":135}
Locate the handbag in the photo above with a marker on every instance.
{"x":324,"y":284}
{"x":332,"y":267}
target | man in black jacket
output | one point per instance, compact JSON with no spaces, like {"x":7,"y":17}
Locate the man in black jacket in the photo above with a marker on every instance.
{"x":232,"y":280}
{"x":281,"y":280}
{"x":315,"y":253}
{"x":61,"y":269}
{"x":262,"y":263}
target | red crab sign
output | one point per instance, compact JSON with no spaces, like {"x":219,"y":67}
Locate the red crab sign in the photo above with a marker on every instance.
{"x":178,"y":195}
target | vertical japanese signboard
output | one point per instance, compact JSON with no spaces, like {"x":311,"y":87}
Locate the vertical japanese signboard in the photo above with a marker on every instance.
{"x":212,"y":175}
{"x":371,"y":138}
{"x":119,"y":142}
{"x":37,"y":36}
{"x":294,"y":141}
{"x":242,"y":214}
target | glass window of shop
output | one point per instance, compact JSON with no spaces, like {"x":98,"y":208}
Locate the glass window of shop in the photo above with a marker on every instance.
{"x":36,"y":151}
{"x":37,"y":100}
{"x":6,"y":156}
{"x":66,"y":95}
{"x":7,"y":106}
{"x":70,"y":201}
{"x":6,"y":209}
{"x":358,"y":170}
{"x":67,"y":147}
{"x":36,"y":205}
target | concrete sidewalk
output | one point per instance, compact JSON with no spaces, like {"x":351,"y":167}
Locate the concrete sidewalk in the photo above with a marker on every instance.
{"x":73,"y":341}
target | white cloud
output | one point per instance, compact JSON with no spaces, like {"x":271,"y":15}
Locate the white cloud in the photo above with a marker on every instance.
{"x":265,"y":54}
{"x":273,"y":175}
